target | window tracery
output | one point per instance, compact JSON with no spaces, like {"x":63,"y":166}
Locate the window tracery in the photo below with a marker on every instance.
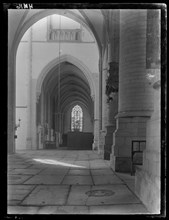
{"x":76,"y":118}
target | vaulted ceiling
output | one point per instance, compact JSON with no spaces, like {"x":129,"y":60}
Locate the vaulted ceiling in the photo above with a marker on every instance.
{"x":73,"y":84}
{"x":21,"y":20}
{"x":68,"y":84}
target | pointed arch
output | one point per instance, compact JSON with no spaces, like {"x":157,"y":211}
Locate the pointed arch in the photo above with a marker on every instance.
{"x":30,"y":17}
{"x":72,"y":60}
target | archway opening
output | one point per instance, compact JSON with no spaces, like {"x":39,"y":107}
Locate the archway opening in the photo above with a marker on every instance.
{"x":42,"y":121}
{"x":54,"y":108}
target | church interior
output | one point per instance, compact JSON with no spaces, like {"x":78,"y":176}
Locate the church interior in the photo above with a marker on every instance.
{"x":84,"y":111}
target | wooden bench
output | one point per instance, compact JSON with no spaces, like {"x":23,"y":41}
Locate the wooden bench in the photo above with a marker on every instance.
{"x":137,"y":153}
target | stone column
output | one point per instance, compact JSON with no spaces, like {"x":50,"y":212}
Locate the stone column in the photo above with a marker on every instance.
{"x":105,"y":103}
{"x":100,"y":99}
{"x":104,"y":113}
{"x":42,"y":118}
{"x":135,"y":97}
{"x":148,"y":182}
{"x":29,"y":93}
{"x":111,"y":126}
{"x":96,"y":134}
{"x":48,"y":115}
{"x":34,"y":127}
{"x":96,"y":122}
{"x":11,"y":101}
{"x":31,"y":109}
{"x":103,"y":98}
{"x":113,"y":78}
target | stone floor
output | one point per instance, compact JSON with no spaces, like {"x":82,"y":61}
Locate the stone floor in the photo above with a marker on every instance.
{"x":68,"y":182}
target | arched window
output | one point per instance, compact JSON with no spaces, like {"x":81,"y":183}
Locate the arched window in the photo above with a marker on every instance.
{"x":76,"y":118}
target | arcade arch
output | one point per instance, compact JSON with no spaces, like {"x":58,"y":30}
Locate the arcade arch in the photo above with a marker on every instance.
{"x":74,"y":88}
{"x":64,"y":58}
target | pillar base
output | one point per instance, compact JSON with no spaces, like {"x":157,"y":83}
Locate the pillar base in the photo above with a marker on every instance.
{"x":120,"y":164}
{"x":108,"y":141}
{"x":101,"y":143}
{"x":95,"y":145}
{"x":28,"y":143}
{"x":128,"y":129}
{"x":101,"y":151}
{"x":147,"y":188}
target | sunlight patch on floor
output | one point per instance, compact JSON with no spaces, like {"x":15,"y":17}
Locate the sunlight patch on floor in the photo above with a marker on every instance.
{"x":55,"y":162}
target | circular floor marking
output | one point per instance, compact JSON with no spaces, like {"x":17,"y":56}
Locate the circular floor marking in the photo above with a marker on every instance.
{"x":99,"y":193}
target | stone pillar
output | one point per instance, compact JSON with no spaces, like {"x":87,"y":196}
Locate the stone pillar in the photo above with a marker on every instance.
{"x":148,"y":181}
{"x":100,"y":98}
{"x":135,"y":97}
{"x":32,"y":129}
{"x":96,"y":123}
{"x":34,"y":126}
{"x":51,"y":112}
{"x":105,"y":103}
{"x":48,"y":107}
{"x":112,"y":81}
{"x":110,"y":128}
{"x":29,"y":93}
{"x":42,"y":118}
{"x":103,"y":77}
{"x":11,"y":102}
{"x":40,"y":137}
{"x":102,"y":135}
{"x":96,"y":135}
{"x":42,"y":107}
{"x":104,"y":113}
{"x":61,"y":127}
{"x":58,"y":128}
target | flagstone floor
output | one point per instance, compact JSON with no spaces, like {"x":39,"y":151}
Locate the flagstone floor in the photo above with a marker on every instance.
{"x":68,"y":182}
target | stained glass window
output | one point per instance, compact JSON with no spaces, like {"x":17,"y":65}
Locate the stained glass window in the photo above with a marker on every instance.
{"x":76,"y":118}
